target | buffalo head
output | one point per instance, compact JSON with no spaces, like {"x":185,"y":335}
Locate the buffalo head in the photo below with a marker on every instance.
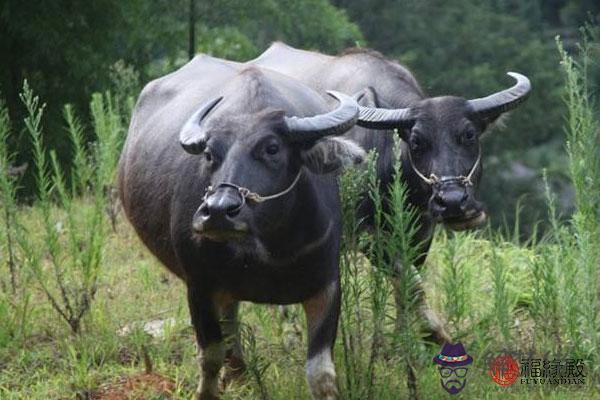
{"x":254,"y":163}
{"x":441,"y":137}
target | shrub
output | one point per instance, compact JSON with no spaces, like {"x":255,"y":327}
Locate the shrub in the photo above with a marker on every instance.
{"x":66,"y":264}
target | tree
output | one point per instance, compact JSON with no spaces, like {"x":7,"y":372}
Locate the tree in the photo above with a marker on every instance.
{"x":67,"y":47}
{"x":65,"y":50}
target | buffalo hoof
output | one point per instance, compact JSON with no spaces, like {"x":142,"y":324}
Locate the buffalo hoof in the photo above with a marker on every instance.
{"x":235,"y":370}
{"x":324,"y":387}
{"x":206,"y":396}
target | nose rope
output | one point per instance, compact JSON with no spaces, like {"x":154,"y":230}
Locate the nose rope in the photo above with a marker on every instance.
{"x":435,"y":180}
{"x":246,"y":194}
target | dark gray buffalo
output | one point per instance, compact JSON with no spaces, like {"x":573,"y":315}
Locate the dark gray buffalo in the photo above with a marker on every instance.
{"x":226,"y":177}
{"x":440,"y":150}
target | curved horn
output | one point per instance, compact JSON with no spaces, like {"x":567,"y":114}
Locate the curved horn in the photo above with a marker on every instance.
{"x":191,"y":136}
{"x":505,"y":100}
{"x":334,"y":122}
{"x":383,"y":118}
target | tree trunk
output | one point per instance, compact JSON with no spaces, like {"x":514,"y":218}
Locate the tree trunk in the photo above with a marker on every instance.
{"x":192,"y":38}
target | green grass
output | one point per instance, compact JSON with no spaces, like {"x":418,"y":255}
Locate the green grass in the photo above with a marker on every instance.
{"x":52,"y":363}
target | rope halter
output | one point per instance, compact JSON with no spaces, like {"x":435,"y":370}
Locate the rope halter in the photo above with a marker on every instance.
{"x":247,"y":195}
{"x":434,"y":180}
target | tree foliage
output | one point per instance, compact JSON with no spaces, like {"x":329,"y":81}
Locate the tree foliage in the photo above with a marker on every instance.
{"x":69,"y":49}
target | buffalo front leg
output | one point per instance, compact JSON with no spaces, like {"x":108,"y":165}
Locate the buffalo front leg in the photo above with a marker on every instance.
{"x":322,"y":311}
{"x":210,"y":343}
{"x":234,"y":357}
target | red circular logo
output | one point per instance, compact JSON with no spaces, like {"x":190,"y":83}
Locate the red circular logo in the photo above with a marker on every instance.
{"x":504,"y":370}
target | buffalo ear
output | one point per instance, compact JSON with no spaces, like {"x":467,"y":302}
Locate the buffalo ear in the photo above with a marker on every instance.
{"x":403,"y":133}
{"x":332,"y":155}
{"x":366,"y":97}
{"x":489,"y":124}
{"x":273,"y":115}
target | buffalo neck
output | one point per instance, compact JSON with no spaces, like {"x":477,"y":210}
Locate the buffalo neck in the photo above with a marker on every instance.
{"x":307,"y":227}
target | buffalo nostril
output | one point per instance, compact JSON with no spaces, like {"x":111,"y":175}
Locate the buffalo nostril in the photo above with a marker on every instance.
{"x":439,"y":201}
{"x":438,"y":204}
{"x":464,"y":202}
{"x":233,"y":211}
{"x":204,"y":210}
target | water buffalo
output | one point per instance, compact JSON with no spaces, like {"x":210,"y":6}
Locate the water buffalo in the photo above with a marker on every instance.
{"x":226,"y":175}
{"x":440,"y":150}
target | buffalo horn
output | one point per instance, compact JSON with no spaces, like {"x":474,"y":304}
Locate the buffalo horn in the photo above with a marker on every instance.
{"x":191,"y":136}
{"x":336,"y":122}
{"x":495,"y":104}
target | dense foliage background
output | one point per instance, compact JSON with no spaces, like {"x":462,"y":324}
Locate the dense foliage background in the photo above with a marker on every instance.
{"x":69,"y":49}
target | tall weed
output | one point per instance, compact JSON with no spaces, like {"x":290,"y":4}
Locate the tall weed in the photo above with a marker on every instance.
{"x":392,"y":251}
{"x":354,"y":319}
{"x":67,"y":263}
{"x":583,"y":143}
{"x":402,"y":252}
{"x":15,"y":295}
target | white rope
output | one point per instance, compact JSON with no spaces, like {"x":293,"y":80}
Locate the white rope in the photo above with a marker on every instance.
{"x":433,"y":179}
{"x":255,"y":197}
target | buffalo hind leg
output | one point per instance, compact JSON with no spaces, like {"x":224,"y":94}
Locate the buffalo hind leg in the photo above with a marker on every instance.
{"x":433,"y":326}
{"x":322,"y":311}
{"x":210,"y":342}
{"x":432,"y":323}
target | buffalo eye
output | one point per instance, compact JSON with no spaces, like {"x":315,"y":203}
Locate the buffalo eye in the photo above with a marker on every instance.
{"x":208,"y":155}
{"x":417,"y":143}
{"x":272,"y":149}
{"x":468,"y":137}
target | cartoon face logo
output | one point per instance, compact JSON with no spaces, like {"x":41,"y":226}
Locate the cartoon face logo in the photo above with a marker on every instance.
{"x":453,"y":379}
{"x":453,"y":361}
